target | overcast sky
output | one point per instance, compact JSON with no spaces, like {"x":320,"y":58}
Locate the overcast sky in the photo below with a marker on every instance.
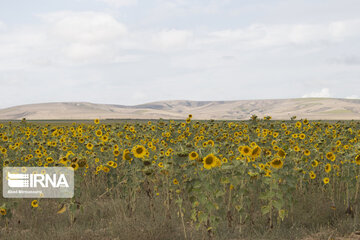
{"x":136,"y":51}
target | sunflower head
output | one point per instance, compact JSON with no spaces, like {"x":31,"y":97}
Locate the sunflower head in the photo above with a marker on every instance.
{"x":139,"y":151}
{"x":277,"y":163}
{"x":326,"y":180}
{"x":245,"y":150}
{"x":35,"y":203}
{"x":209,"y":161}
{"x":193,"y":155}
{"x":3,"y":211}
{"x":357,"y":159}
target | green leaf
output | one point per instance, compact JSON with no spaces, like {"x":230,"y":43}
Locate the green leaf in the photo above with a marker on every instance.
{"x":265,"y":210}
{"x":278,"y":204}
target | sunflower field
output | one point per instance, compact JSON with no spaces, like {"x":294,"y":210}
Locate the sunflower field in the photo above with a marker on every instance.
{"x":208,"y":179}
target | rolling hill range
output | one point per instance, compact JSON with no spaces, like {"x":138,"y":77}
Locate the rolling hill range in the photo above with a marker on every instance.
{"x":311,"y":108}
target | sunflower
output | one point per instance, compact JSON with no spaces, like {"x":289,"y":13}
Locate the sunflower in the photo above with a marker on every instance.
{"x":126,"y":155}
{"x":328,"y":167}
{"x":261,"y":166}
{"x":116,"y":152}
{"x":209,"y":161}
{"x":193,"y":155}
{"x":90,"y":146}
{"x":3,"y":211}
{"x":256,"y":152}
{"x":314,"y":163}
{"x":35,"y":203}
{"x":104,"y":138}
{"x":98,"y":133}
{"x":246,"y":151}
{"x":218,"y":162}
{"x":307,"y":152}
{"x":281,"y":153}
{"x":331,"y":156}
{"x":277,"y":163}
{"x":312,"y":175}
{"x":96,"y":121}
{"x":75,"y":166}
{"x":357,"y":159}
{"x":82,"y":162}
{"x":210,"y":142}
{"x":175,"y":181}
{"x":139,"y":151}
{"x":326,"y":180}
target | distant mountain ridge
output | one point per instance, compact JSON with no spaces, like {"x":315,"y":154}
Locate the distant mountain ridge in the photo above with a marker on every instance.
{"x":310,"y":108}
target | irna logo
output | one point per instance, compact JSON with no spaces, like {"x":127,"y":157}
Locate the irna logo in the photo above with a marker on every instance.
{"x":36,"y":180}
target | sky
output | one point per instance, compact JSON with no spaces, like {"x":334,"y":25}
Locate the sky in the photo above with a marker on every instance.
{"x":136,"y":51}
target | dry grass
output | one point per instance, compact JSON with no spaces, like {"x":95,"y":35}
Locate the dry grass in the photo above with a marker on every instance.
{"x":105,"y":215}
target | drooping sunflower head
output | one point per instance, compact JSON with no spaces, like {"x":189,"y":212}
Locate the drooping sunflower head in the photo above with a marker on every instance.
{"x":277,"y":163}
{"x":281,"y":153}
{"x":256,"y":152}
{"x":82,"y":162}
{"x":126,"y":155}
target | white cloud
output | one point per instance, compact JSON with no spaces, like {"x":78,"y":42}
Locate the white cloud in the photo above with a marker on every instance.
{"x":268,"y":35}
{"x":344,"y":29}
{"x":84,"y":52}
{"x":120,"y":3}
{"x":324,"y":93}
{"x":85,"y":27}
{"x":84,"y":37}
{"x":172,"y":38}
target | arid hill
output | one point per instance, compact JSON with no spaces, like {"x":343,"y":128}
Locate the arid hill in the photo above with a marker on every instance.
{"x":311,"y":108}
